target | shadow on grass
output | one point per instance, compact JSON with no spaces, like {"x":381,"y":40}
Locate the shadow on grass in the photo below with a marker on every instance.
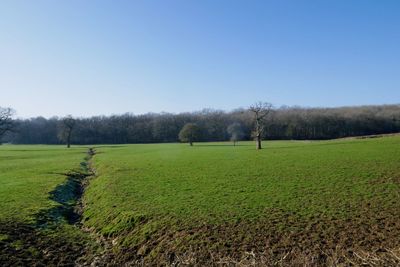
{"x":109,"y":146}
{"x":66,"y":195}
{"x":54,"y":238}
{"x":221,"y":145}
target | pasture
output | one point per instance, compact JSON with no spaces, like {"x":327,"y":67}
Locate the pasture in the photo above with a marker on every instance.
{"x":33,"y":229}
{"x":294,"y":202}
{"x":29,"y":173}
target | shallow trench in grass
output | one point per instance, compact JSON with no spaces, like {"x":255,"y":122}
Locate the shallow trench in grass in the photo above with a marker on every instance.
{"x":68,"y":196}
{"x":56,"y":236}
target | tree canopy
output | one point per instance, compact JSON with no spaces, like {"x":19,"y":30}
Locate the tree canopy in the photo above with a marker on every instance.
{"x":283,"y":123}
{"x":66,"y":126}
{"x":190,"y":133}
{"x":6,"y":121}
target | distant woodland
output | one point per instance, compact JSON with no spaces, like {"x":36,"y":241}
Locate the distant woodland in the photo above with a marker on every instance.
{"x":282,"y":123}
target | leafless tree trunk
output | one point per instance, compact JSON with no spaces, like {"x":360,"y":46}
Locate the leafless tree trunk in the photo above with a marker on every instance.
{"x":69,"y":138}
{"x":260,"y":111}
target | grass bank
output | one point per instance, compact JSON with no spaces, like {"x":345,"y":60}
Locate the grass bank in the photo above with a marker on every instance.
{"x":322,"y":202}
{"x":41,"y":186}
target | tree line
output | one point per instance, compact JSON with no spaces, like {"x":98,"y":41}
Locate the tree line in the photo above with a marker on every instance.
{"x":211,"y":125}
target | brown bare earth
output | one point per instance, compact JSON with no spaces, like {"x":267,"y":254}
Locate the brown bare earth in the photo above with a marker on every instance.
{"x":319,"y":241}
{"x":371,"y":239}
{"x":25,"y":245}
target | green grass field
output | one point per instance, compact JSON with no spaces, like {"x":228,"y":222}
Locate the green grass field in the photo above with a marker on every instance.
{"x":28,"y":174}
{"x":180,"y":196}
{"x":294,"y":202}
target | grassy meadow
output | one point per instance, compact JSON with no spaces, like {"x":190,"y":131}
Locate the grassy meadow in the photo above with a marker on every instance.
{"x":216,"y":200}
{"x":294,"y":202}
{"x":28,"y":173}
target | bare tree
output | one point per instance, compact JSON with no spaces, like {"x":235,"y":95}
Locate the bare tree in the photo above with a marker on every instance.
{"x":65,"y":131}
{"x":260,"y":111}
{"x":6,"y":121}
{"x":235,"y":131}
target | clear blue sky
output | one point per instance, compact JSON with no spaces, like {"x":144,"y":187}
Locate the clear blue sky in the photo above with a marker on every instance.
{"x":109,"y":57}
